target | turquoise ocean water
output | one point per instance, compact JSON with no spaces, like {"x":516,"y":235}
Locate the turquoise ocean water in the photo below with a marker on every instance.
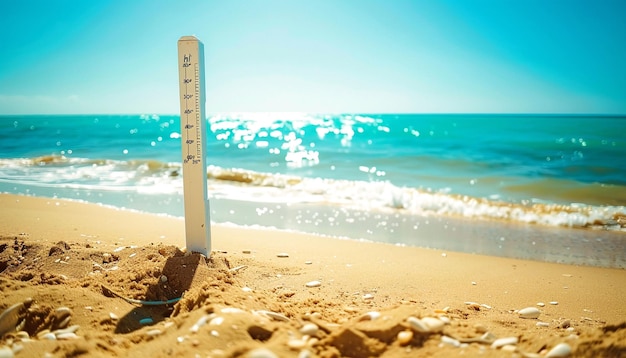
{"x":374,"y":177}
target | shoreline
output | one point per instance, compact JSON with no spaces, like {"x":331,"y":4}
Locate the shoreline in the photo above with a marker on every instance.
{"x":474,"y":292}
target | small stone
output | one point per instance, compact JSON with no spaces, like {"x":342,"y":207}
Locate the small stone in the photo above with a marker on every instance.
{"x":296,"y":343}
{"x":368,"y":296}
{"x":370,"y":316}
{"x":146,"y":321}
{"x":565,"y":324}
{"x":559,"y":351}
{"x":113,"y":316}
{"x":541,"y":304}
{"x":554,"y":303}
{"x":404,"y":337}
{"x":313,"y":284}
{"x":308,"y":262}
{"x":283,"y":255}
{"x":247,"y":251}
{"x":543,"y":324}
{"x":529,"y":313}
{"x":163,"y":279}
{"x":246,"y":289}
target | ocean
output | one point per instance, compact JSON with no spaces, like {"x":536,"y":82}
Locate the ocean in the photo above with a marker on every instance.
{"x":544,"y":179}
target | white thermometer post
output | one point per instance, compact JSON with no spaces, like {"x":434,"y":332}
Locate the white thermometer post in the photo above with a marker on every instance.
{"x":193,"y":133}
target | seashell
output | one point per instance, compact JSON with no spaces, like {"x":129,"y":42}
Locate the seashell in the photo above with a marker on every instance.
{"x":404,"y":337}
{"x":368,"y":296}
{"x":216,"y":321}
{"x":215,"y":333}
{"x":313,"y":284}
{"x":70,"y":329}
{"x":246,"y":289}
{"x":309,"y":329}
{"x":113,"y":316}
{"x":261,"y":353}
{"x":153,"y":332}
{"x":48,"y":336}
{"x":501,"y":342}
{"x":370,"y":316}
{"x":554,"y":303}
{"x":6,"y":352}
{"x":543,"y":324}
{"x":559,"y":351}
{"x":417,"y":325}
{"x":450,"y":341}
{"x":296,"y":343}
{"x":529,"y":313}
{"x":199,"y":323}
{"x":273,"y":315}
{"x":22,"y":335}
{"x":66,"y":336}
{"x":11,"y":317}
{"x":541,"y":304}
{"x":231,"y":310}
{"x":433,"y":324}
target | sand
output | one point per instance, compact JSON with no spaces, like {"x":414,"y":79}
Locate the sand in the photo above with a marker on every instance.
{"x":250,"y":298}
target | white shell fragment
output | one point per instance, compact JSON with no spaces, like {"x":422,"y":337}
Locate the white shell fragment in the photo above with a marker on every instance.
{"x":404,"y":337}
{"x":450,"y":341}
{"x":554,"y":303}
{"x":433,"y":324}
{"x":313,"y":284}
{"x":501,"y":342}
{"x":417,"y":325}
{"x":529,"y":313}
{"x":559,"y":351}
{"x":309,"y":329}
{"x":369,"y":316}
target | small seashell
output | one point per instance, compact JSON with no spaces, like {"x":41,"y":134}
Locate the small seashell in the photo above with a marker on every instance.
{"x":368,"y":296}
{"x":66,"y":336}
{"x":509,"y":348}
{"x":529,"y":313}
{"x":369,"y":316}
{"x":313,"y":284}
{"x":283,"y":255}
{"x":404,"y":337}
{"x":215,"y":333}
{"x":450,"y":341}
{"x":216,"y":321}
{"x":296,"y":343}
{"x":309,"y":329}
{"x":22,"y":335}
{"x":554,"y":303}
{"x":246,"y":289}
{"x":501,"y":342}
{"x":559,"y":351}
{"x":231,"y":310}
{"x":70,"y":329}
{"x":48,"y":336}
{"x":417,"y":325}
{"x":433,"y":324}
{"x":541,"y":304}
{"x":261,"y":353}
{"x":273,"y":315}
{"x":199,"y":323}
{"x":113,"y":316}
{"x":6,"y":352}
{"x":543,"y":324}
{"x":153,"y":332}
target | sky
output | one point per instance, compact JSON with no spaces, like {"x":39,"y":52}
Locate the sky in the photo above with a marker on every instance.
{"x":322,"y":56}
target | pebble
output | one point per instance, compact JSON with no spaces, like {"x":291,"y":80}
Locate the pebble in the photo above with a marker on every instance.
{"x":308,"y":262}
{"x":283,"y":255}
{"x":529,"y":313}
{"x":559,"y":351}
{"x":246,"y":289}
{"x":404,"y":337}
{"x":113,"y":316}
{"x":541,"y":304}
{"x":501,"y":342}
{"x":309,"y":329}
{"x":247,"y":251}
{"x":163,"y":278}
{"x":543,"y":324}
{"x":554,"y":303}
{"x":368,"y":296}
{"x":313,"y":284}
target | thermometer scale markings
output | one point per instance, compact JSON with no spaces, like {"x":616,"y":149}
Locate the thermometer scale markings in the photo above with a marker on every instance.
{"x":193,"y":143}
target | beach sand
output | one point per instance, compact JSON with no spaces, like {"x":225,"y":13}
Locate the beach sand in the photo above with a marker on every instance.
{"x":248,"y":301}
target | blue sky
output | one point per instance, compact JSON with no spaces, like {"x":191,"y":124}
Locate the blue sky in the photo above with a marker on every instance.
{"x":497,"y":56}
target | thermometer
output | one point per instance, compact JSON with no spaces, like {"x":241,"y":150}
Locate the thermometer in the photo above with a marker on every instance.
{"x":193,"y":134}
